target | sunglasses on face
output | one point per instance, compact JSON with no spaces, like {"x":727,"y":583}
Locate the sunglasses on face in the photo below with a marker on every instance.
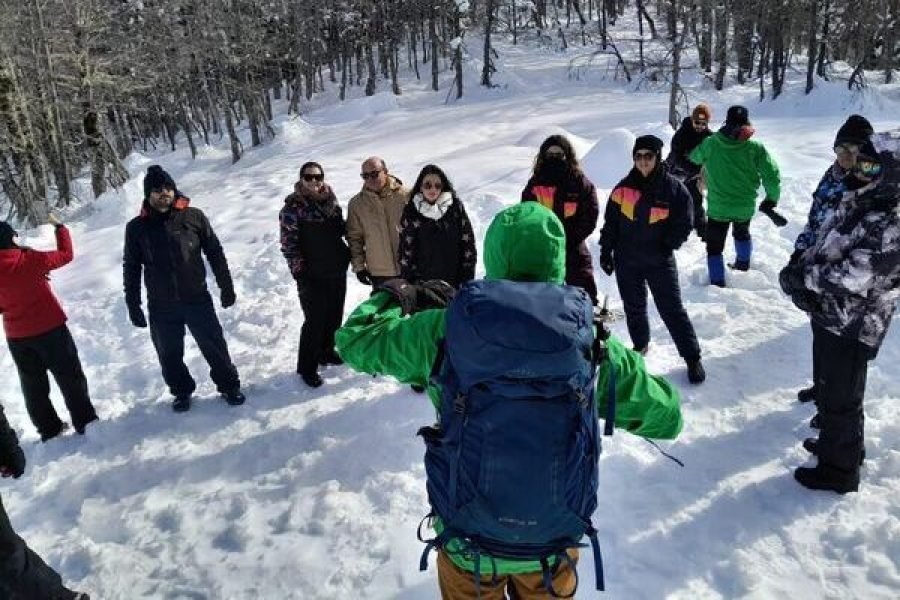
{"x":644,"y":156}
{"x":313,"y":177}
{"x":560,"y":155}
{"x":428,"y":185}
{"x":847,"y":149}
{"x":370,"y":174}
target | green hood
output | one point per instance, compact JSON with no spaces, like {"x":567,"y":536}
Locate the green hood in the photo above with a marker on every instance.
{"x":525,"y":242}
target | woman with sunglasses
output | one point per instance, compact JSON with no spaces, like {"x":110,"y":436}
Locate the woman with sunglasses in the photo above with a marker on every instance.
{"x":436,"y":237}
{"x":647,"y":218}
{"x":848,"y":280}
{"x":693,"y":131}
{"x":558,"y":183}
{"x":312,"y":241}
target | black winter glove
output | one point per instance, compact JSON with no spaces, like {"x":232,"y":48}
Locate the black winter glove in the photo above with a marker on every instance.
{"x":795,"y":257}
{"x":806,"y":301}
{"x":791,"y":279}
{"x":434,"y":293}
{"x":607,"y":262}
{"x":364,"y":277}
{"x":136,"y":315}
{"x":767,"y":207}
{"x":406,"y":293}
{"x":227,"y":297}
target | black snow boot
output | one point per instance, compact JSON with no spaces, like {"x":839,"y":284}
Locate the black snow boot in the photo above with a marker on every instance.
{"x":740,"y":265}
{"x":311,"y":379}
{"x":330,"y":358}
{"x":696,"y":372}
{"x":811,"y":445}
{"x":824,"y":477}
{"x":63,"y":427}
{"x":807,"y":394}
{"x":182,"y":403}
{"x":234,"y":397}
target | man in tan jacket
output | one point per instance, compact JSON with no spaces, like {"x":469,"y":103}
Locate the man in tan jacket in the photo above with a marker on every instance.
{"x":373,"y":224}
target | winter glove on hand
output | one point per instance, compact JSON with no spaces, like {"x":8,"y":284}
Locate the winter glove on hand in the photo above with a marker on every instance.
{"x":607,"y":262}
{"x":791,"y":280}
{"x":227,"y":297}
{"x":364,"y":277}
{"x":795,"y":257}
{"x":136,"y":315}
{"x":434,"y":293}
{"x":806,"y":301}
{"x":17,"y":467}
{"x":404,"y":292}
{"x":767,"y":207}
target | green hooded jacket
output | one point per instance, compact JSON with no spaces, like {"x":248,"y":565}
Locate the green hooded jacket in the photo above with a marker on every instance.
{"x":734,"y":170}
{"x":525,"y":242}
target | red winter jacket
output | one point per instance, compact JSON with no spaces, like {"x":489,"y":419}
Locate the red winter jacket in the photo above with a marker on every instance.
{"x":28,"y":305}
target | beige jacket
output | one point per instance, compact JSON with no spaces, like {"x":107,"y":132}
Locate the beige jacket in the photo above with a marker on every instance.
{"x":373,"y":228}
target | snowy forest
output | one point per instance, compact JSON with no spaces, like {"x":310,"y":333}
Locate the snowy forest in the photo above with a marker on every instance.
{"x":83,"y":83}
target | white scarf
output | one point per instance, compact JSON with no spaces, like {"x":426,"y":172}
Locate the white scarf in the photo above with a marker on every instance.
{"x":433,"y":211}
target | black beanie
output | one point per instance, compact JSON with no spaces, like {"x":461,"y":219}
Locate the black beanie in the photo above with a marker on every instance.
{"x":648,"y":142}
{"x":737,"y":116}
{"x":156,"y":177}
{"x":855,"y":130}
{"x":7,"y":233}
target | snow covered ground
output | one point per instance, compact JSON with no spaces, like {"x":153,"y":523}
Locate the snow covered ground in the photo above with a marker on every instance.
{"x":317,"y":493}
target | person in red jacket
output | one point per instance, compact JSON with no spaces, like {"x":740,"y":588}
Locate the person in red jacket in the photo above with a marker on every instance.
{"x":36,"y":332}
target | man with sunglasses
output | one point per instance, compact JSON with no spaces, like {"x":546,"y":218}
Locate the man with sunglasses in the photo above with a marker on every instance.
{"x":693,"y":131}
{"x":165,"y":242}
{"x":848,"y":280}
{"x":373,"y":224}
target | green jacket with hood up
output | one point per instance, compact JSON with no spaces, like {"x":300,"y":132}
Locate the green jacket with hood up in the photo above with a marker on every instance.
{"x":525,"y":242}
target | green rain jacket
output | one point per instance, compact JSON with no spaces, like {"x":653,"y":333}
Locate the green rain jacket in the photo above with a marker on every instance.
{"x":734,"y":169}
{"x":525,"y":242}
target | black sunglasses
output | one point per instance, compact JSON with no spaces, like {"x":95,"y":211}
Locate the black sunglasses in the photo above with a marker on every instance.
{"x":370,"y":174}
{"x":314,"y":177}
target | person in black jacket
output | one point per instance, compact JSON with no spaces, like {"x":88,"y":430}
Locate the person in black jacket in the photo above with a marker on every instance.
{"x":558,"y":183}
{"x":693,"y":131}
{"x":436,"y":237}
{"x":23,"y":574}
{"x":166,"y":241}
{"x":648,"y":216}
{"x":313,"y":235}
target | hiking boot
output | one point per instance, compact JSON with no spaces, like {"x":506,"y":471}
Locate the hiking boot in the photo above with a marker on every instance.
{"x":815,"y":422}
{"x":811,"y":445}
{"x":739,"y":265}
{"x":823,"y":477}
{"x":419,"y":389}
{"x":181,"y":403}
{"x":234,"y":397}
{"x":63,"y":427}
{"x":696,"y":372}
{"x":807,"y":394}
{"x":79,"y":429}
{"x":330,"y":358}
{"x":311,"y":379}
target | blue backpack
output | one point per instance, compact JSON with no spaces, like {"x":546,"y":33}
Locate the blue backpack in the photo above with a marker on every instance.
{"x":512,"y":466}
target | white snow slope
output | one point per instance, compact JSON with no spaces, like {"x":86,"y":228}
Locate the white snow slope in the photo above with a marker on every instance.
{"x":307,"y":494}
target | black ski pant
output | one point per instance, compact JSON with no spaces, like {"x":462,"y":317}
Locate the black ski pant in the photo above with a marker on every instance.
{"x":167,"y":328}
{"x":55,"y":352}
{"x":699,"y":213}
{"x":322,"y":301}
{"x":662,"y":279}
{"x":717,"y":232}
{"x":23,"y":574}
{"x":840,"y":371}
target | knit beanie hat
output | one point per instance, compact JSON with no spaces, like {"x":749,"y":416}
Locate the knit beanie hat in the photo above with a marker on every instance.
{"x":648,"y":142}
{"x":702,"y":112}
{"x":737,"y":116}
{"x":157,"y":178}
{"x":856,"y":130}
{"x":7,"y":233}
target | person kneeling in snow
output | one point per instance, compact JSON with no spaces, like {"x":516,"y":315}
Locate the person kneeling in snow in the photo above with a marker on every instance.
{"x":512,"y":361}
{"x":23,"y":575}
{"x":165,"y":241}
{"x":849,"y":282}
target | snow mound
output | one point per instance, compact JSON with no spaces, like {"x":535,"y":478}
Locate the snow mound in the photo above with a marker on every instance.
{"x":610,"y":158}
